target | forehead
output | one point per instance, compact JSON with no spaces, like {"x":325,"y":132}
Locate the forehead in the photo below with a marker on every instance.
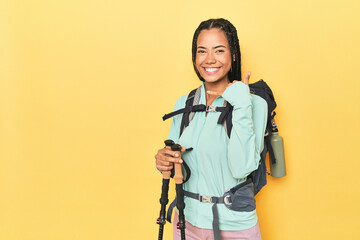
{"x":212,"y":37}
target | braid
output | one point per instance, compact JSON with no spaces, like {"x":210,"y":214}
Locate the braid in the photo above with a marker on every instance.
{"x":233,"y":40}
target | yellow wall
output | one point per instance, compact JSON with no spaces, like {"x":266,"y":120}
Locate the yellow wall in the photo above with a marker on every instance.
{"x":84,"y":84}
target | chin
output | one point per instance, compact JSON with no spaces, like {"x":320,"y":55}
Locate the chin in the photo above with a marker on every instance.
{"x":214,"y":80}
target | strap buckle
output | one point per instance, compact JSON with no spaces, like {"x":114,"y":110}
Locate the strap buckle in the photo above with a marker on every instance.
{"x":227,"y":200}
{"x":205,"y":199}
{"x":210,"y":108}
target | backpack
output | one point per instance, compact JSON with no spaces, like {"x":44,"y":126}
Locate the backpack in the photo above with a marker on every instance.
{"x":259,"y":88}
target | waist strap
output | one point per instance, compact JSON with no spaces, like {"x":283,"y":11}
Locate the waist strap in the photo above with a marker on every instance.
{"x":205,"y":199}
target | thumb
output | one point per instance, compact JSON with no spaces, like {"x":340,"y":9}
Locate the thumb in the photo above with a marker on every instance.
{"x":247,"y":78}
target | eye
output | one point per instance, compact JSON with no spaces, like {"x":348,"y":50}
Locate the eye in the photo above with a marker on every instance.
{"x":200,"y":51}
{"x":220,"y":51}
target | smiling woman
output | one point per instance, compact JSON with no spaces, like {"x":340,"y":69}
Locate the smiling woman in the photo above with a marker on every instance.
{"x":218,"y":161}
{"x":223,"y":27}
{"x":213,"y":56}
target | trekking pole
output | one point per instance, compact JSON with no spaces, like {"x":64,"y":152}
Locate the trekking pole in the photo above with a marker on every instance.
{"x":164,"y":195}
{"x":179,"y":192}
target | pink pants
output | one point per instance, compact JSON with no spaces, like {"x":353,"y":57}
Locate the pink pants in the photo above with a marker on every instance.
{"x":195,"y":233}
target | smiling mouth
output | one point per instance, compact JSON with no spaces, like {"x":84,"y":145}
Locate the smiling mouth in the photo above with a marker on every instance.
{"x":212,"y":70}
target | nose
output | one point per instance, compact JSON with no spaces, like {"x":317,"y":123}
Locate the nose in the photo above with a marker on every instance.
{"x":210,"y":58}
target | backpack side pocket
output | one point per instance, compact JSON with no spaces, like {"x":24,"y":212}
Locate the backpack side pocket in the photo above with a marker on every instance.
{"x":241,"y":197}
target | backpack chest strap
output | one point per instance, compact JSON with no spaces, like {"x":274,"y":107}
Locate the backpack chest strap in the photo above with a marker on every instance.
{"x":196,"y":108}
{"x":188,"y":109}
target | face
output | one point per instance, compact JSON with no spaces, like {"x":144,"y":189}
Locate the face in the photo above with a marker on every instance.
{"x":213,"y":56}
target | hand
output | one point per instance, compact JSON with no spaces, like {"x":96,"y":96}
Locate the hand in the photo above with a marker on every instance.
{"x":245,"y":80}
{"x":165,"y":158}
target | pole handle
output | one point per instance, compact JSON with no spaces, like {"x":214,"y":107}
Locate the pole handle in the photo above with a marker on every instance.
{"x":168,"y":144}
{"x":178,"y":177}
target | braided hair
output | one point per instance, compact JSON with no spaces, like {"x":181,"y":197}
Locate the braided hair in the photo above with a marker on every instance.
{"x":233,"y":40}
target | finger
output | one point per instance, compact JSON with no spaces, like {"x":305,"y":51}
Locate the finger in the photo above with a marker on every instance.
{"x":161,"y":163}
{"x":214,"y":93}
{"x":183,"y":149}
{"x":247,"y":78}
{"x":174,"y":160}
{"x":164,"y":168}
{"x":164,"y":163}
{"x":166,"y":151}
{"x":166,"y":158}
{"x":163,"y":159}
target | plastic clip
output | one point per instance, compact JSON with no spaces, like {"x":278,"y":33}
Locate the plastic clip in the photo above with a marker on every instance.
{"x":204,"y":199}
{"x":210,"y":108}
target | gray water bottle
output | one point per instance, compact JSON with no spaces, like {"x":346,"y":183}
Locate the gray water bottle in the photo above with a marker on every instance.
{"x":277,"y":169}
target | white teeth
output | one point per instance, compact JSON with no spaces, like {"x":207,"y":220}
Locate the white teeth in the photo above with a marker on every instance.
{"x":211,"y":69}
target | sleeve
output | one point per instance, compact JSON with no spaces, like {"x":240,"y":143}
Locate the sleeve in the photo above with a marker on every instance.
{"x":174,"y":133}
{"x":247,"y":135}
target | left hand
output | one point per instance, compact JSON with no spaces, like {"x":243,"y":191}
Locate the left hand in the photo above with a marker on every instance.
{"x":246,"y":81}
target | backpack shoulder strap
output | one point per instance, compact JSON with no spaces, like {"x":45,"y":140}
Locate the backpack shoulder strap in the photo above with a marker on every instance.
{"x":192,"y":100}
{"x":226,"y":117}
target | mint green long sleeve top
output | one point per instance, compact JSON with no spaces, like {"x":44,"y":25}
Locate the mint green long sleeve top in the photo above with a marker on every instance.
{"x":217,"y":162}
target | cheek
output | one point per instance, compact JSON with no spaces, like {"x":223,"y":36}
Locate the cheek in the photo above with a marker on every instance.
{"x":198,"y":61}
{"x":228,"y":61}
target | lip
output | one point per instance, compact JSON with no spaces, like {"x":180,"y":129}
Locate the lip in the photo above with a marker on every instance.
{"x":211,"y":70}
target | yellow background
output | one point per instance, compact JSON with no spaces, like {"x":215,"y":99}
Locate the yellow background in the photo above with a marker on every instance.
{"x":84,"y":84}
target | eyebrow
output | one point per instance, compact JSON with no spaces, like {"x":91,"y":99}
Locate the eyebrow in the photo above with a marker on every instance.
{"x":219,"y":46}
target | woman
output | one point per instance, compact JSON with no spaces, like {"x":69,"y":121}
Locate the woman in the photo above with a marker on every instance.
{"x":218,"y":162}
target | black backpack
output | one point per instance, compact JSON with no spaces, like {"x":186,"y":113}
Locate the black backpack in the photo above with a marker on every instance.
{"x":192,"y":106}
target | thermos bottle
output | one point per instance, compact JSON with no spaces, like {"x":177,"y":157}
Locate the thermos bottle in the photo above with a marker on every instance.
{"x":277,"y":169}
